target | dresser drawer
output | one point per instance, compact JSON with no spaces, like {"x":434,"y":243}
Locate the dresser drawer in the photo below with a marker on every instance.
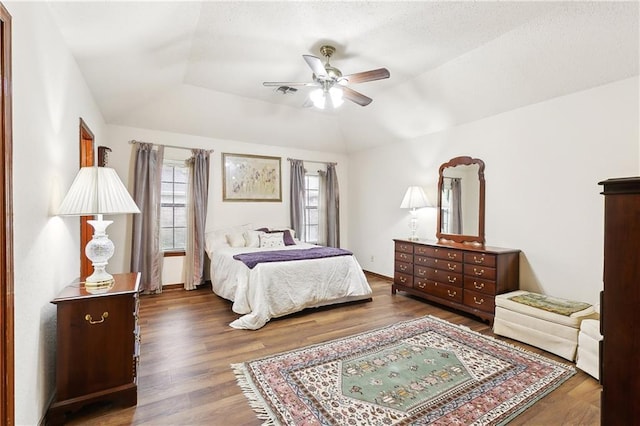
{"x":424,"y":250}
{"x":404,"y":247}
{"x":444,"y":277}
{"x":483,"y":259}
{"x":479,"y":301}
{"x":403,"y":267}
{"x":477,"y":271}
{"x":404,"y":257}
{"x":402,"y":279}
{"x":448,"y":254}
{"x":440,"y":290}
{"x":480,"y":285}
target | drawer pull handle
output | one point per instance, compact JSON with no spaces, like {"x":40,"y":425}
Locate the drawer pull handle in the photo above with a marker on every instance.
{"x":403,"y":280}
{"x":478,"y":272}
{"x":478,"y":302}
{"x":422,"y":285}
{"x":91,"y":321}
{"x":403,"y":268}
{"x":478,"y":260}
{"x":451,"y":280}
{"x":479,"y":287}
{"x":451,"y":293}
{"x":421,"y":272}
{"x":451,"y":255}
{"x":404,"y":256}
{"x":451,"y":267}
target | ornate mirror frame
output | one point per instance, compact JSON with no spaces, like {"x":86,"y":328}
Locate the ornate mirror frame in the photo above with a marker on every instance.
{"x":460,"y":238}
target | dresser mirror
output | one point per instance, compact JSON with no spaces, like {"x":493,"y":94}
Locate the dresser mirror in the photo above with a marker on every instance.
{"x":461,"y":201}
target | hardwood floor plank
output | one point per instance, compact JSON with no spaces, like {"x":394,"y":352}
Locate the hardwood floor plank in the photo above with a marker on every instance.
{"x":184,"y":376}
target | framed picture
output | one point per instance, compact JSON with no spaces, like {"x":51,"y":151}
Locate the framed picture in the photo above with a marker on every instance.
{"x":251,"y":178}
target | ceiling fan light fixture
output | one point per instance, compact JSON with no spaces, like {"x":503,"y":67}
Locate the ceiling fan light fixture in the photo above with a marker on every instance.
{"x":318,"y":98}
{"x":336,"y":96}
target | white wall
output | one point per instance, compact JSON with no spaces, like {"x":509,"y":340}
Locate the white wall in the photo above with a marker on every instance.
{"x":543,"y":165}
{"x":49,"y":97}
{"x":220,"y":214}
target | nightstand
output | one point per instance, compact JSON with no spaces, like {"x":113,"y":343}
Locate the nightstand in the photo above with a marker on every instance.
{"x":98,"y":341}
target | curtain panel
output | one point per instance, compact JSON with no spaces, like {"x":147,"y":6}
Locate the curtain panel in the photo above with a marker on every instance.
{"x":197,"y":214}
{"x":297,"y":197}
{"x":146,"y":256}
{"x":333,"y":207}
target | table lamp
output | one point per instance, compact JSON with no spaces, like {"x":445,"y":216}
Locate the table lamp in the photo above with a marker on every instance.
{"x":98,"y":191}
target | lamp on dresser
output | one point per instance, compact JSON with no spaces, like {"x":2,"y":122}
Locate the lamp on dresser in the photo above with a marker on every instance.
{"x":414,"y":199}
{"x":98,"y":191}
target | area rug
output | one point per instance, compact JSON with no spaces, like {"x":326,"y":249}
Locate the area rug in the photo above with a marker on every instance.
{"x":423,"y":371}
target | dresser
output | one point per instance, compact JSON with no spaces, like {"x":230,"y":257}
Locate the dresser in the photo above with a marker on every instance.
{"x":98,"y":346}
{"x":462,"y":276}
{"x":620,"y":303}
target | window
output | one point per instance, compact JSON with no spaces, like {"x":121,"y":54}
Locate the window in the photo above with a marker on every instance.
{"x":312,"y":205}
{"x":173,"y":206}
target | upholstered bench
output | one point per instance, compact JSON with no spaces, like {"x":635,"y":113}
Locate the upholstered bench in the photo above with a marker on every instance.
{"x":588,"y":357}
{"x":542,"y":321}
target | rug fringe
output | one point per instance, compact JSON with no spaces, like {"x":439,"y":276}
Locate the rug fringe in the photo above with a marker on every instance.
{"x":257,"y":404}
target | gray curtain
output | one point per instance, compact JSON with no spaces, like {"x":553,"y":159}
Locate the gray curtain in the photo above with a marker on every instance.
{"x":297,"y":197}
{"x":197,"y":214}
{"x":456,"y":207}
{"x":333,"y":207}
{"x":146,"y":256}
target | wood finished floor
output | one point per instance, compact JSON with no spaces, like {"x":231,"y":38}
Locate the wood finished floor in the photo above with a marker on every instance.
{"x":187,"y":346}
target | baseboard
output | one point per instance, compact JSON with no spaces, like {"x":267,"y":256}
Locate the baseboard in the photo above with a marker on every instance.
{"x":375,"y":274}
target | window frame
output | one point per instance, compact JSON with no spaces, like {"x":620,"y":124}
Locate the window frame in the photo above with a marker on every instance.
{"x":308,"y":208}
{"x":174,"y":251}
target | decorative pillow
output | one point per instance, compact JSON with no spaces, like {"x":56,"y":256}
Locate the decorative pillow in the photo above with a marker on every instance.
{"x":287,"y":236}
{"x":252,"y":238}
{"x":274,"y":239}
{"x":236,"y":240}
{"x":218,"y":238}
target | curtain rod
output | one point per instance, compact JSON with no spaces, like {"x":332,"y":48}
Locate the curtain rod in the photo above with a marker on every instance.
{"x":133,"y":142}
{"x":314,"y":161}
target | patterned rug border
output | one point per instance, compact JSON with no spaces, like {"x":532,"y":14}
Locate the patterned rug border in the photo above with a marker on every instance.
{"x":262,"y":409}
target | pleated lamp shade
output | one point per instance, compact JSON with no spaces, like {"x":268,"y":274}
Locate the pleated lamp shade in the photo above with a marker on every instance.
{"x":97,"y":190}
{"x":414,"y":198}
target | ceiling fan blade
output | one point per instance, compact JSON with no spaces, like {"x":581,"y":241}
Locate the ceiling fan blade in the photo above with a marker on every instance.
{"x":287,"y":83}
{"x":361,"y":77}
{"x":316,"y":65}
{"x":356,"y":97}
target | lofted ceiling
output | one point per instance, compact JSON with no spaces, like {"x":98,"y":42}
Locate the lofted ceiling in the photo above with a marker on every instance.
{"x":197,"y":67}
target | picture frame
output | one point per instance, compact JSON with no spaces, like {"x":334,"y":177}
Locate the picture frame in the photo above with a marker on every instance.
{"x":251,"y":178}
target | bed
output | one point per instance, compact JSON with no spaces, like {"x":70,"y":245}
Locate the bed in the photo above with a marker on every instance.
{"x":277,"y":288}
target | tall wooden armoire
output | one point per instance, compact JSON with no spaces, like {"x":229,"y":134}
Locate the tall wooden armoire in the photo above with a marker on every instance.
{"x":620,"y":300}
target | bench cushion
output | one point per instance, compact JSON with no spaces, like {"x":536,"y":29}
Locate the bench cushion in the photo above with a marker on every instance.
{"x":506,"y":301}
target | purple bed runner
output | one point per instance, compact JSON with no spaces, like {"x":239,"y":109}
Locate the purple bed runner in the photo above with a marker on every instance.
{"x":252,"y":259}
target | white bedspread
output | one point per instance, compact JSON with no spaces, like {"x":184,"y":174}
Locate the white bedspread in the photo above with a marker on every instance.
{"x":272,"y":290}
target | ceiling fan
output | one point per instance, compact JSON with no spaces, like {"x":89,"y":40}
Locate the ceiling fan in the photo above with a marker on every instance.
{"x":331,"y":84}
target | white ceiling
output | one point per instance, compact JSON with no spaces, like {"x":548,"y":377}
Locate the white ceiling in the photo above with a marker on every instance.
{"x":198,"y":67}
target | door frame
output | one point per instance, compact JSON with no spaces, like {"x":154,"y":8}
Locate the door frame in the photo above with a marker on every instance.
{"x":7,"y":361}
{"x":87,"y":158}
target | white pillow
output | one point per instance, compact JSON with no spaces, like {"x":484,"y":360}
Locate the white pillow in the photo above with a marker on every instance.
{"x":235,"y":240}
{"x":275,"y":239}
{"x":252,"y":238}
{"x":218,"y":238}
